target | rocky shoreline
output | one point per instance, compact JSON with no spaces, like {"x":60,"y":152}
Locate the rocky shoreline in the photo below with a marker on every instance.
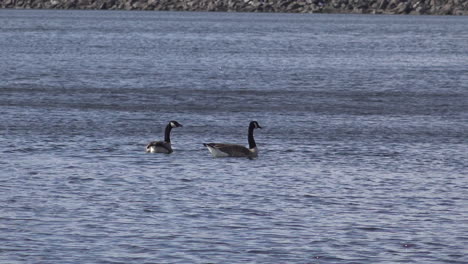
{"x":414,"y":7}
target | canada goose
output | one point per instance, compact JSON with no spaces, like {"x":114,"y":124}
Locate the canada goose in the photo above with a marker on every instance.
{"x":233,"y":150}
{"x":163,"y":146}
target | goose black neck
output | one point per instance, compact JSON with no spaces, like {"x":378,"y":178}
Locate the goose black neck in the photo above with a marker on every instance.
{"x":251,"y":138}
{"x":167,"y":133}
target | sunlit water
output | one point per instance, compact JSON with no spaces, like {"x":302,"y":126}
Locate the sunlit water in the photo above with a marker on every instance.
{"x":363,"y":154}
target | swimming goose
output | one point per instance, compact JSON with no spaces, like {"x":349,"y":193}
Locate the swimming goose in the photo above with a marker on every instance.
{"x":163,"y":146}
{"x":232,"y":150}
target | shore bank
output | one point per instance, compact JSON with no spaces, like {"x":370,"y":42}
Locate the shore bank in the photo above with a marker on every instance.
{"x":414,"y":7}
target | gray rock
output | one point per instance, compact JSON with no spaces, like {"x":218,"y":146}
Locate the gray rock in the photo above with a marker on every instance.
{"x":403,"y":8}
{"x":445,"y":7}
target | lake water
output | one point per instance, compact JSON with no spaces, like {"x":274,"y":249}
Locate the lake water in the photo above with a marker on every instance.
{"x":363,"y":154}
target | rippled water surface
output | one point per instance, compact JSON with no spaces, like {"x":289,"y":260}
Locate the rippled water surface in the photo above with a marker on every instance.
{"x":363,"y":154}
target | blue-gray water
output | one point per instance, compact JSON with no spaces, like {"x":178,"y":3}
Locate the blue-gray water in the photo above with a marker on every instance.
{"x":363,"y":154}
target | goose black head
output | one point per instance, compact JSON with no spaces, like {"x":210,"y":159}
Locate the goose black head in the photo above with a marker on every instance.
{"x":254,"y":124}
{"x":175,"y":124}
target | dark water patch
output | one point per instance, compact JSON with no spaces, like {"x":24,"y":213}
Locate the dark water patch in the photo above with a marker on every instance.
{"x":371,"y":229}
{"x":187,"y":180}
{"x":78,"y":179}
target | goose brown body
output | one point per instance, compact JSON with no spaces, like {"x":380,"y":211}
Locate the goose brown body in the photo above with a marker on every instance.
{"x":164,"y":146}
{"x":234,"y":150}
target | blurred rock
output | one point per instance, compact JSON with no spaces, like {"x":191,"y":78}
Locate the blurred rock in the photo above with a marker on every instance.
{"x":415,"y":7}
